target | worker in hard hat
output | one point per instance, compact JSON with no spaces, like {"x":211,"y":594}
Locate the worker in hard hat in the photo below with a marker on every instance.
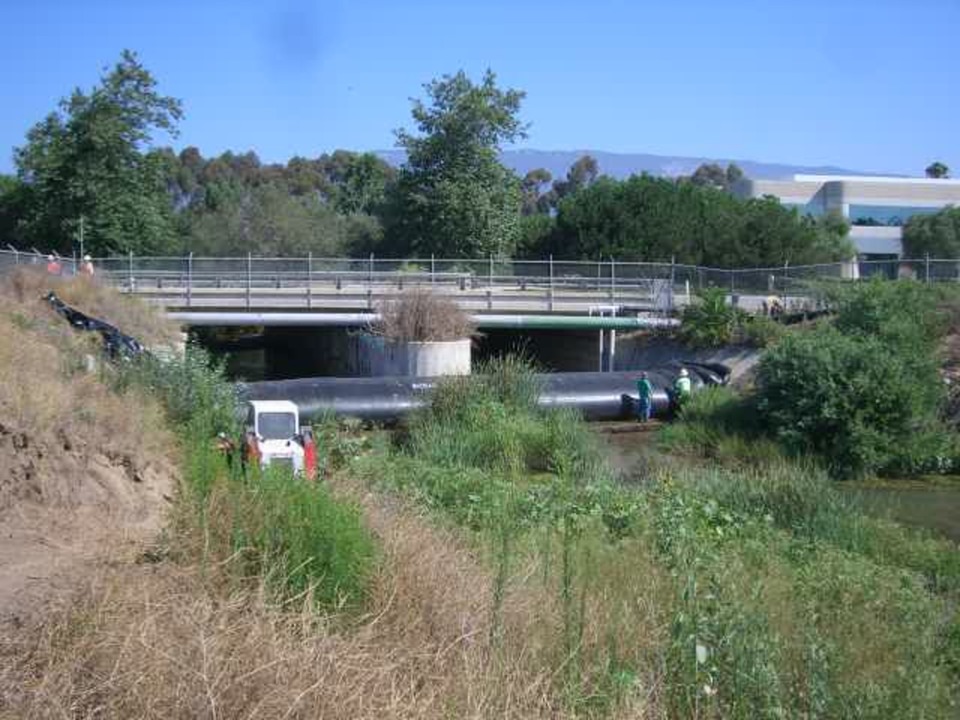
{"x":682,"y":389}
{"x":86,"y":267}
{"x":53,"y":265}
{"x":644,"y":398}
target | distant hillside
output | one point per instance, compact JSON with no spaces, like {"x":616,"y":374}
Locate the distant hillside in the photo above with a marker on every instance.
{"x":621,"y":165}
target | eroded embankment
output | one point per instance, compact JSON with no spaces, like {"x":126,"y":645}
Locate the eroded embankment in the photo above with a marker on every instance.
{"x":85,"y":472}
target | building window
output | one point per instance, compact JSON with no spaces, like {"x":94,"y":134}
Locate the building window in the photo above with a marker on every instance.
{"x":886,"y":214}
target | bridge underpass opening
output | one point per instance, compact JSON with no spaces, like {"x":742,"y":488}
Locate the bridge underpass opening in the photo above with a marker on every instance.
{"x":282,"y":353}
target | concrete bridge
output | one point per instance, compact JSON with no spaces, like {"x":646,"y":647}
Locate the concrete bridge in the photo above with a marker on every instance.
{"x":606,"y":294}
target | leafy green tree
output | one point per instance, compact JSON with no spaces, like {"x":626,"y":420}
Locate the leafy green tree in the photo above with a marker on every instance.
{"x":654,"y":219}
{"x":937,"y":170}
{"x":362,"y":183}
{"x":535,"y":234}
{"x":534,"y":199}
{"x":937,"y":235}
{"x":581,"y":174}
{"x":14,"y":198}
{"x":453,"y":197}
{"x":269,"y":221}
{"x":713,"y":175}
{"x":89,"y":159}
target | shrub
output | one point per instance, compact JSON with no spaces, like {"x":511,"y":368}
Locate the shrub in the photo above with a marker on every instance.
{"x":760,"y":331}
{"x":419,"y":316}
{"x":711,"y":321}
{"x":856,"y":401}
{"x":903,"y":314}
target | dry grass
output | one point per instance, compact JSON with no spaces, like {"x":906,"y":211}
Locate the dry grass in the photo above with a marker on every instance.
{"x":175,"y":642}
{"x":170,"y":641}
{"x":27,"y":287}
{"x":421,"y":316}
{"x":56,"y":409}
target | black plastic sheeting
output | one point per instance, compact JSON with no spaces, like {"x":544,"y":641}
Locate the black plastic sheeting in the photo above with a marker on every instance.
{"x":597,"y":396}
{"x":116,"y":345}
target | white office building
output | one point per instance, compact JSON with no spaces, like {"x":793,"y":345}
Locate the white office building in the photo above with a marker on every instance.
{"x":877,"y":207}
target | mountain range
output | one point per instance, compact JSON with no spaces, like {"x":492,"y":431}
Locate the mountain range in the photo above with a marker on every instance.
{"x":621,"y":165}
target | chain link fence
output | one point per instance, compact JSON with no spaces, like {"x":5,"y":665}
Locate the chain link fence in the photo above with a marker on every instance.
{"x":651,"y":286}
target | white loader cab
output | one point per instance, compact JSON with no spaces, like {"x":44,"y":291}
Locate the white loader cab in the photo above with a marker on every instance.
{"x":274,"y":425}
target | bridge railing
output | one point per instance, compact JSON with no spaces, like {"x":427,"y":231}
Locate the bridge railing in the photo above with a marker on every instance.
{"x":496,"y":282}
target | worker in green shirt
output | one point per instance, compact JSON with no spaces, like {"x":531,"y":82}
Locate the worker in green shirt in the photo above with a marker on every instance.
{"x":681,"y":389}
{"x":644,"y":398}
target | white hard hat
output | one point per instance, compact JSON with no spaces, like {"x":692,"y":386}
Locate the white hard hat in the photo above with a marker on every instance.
{"x":50,"y":258}
{"x":683,"y":372}
{"x":86,"y":258}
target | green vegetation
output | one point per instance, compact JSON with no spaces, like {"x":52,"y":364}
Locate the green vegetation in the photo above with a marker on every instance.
{"x":453,"y":197}
{"x":936,"y":235}
{"x":937,"y":170}
{"x":756,"y":587}
{"x":647,"y":218}
{"x":711,"y":321}
{"x":292,"y":533}
{"x":863,"y":392}
{"x":86,"y":160}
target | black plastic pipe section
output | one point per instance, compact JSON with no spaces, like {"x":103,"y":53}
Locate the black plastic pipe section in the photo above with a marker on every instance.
{"x":598,"y":396}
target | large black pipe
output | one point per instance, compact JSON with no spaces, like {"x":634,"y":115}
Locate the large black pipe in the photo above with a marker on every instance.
{"x":598,"y":396}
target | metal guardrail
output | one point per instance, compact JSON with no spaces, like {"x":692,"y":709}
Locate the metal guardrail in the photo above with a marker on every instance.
{"x":481,"y":285}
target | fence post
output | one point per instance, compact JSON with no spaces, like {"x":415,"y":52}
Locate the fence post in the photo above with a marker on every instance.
{"x":927,"y":262}
{"x":613,"y":279}
{"x":370,"y":274}
{"x":433,"y":269}
{"x":550,"y":292}
{"x":130,"y":271}
{"x":673,"y":280}
{"x":786,"y":284}
{"x":190,"y":279}
{"x":309,"y":280}
{"x":490,"y":273}
{"x":599,"y":271}
{"x":249,"y":276}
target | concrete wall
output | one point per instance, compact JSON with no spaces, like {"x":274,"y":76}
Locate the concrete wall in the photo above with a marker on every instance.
{"x":373,"y":356}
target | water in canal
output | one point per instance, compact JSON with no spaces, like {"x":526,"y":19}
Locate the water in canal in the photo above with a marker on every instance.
{"x":934,"y":505}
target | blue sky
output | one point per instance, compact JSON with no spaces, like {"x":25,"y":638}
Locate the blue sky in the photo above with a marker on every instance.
{"x":860,"y":84}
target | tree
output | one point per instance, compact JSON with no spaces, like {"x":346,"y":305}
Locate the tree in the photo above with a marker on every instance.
{"x":534,"y":199}
{"x":712,"y":175}
{"x":936,"y":235}
{"x":653,"y":219}
{"x":581,"y":174}
{"x":453,"y":197}
{"x":937,"y":170}
{"x":362,"y":183}
{"x":14,"y":197}
{"x":89,"y":159}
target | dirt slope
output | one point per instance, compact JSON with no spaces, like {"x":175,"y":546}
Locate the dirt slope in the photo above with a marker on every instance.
{"x":85,"y":473}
